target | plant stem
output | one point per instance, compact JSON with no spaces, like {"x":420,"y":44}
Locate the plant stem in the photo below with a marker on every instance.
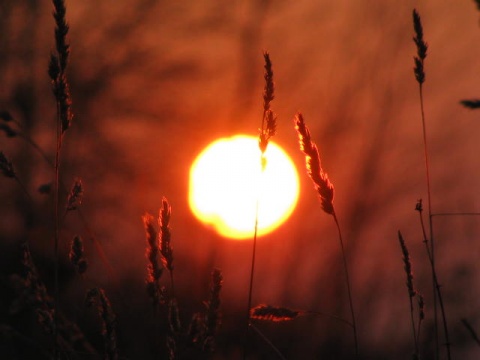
{"x":274,"y":348}
{"x":24,"y":188}
{"x":457,"y":214}
{"x":252,"y":270}
{"x":354,"y":326}
{"x":437,"y":292}
{"x":56,"y":225}
{"x":319,"y":313}
{"x":413,"y":325}
{"x":429,"y":201}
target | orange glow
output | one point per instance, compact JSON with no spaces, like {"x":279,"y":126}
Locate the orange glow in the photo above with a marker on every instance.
{"x":226,"y":180}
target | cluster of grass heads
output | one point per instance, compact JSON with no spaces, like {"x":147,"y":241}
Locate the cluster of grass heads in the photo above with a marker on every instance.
{"x":196,"y":339}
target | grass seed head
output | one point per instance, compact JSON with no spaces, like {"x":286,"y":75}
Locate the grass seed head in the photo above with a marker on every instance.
{"x":75,"y":196}
{"x":77,"y":256}
{"x":109,"y":320}
{"x":9,"y":132}
{"x":269,"y":90}
{"x":6,"y":166}
{"x":165,"y":235}
{"x":273,"y":313}
{"x":421,"y":48}
{"x":154,"y":267}
{"x":471,"y":104}
{"x":319,"y":177}
{"x":407,"y":266}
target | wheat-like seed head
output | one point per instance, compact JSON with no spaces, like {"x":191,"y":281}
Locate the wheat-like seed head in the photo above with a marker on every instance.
{"x":174,"y":317}
{"x":269,"y":121}
{"x":273,"y":313}
{"x":212,"y":316}
{"x":77,"y":256}
{"x":421,"y":48}
{"x":58,"y":64}
{"x":75,"y":196}
{"x":6,"y":166}
{"x":165,"y":235}
{"x":154,"y":268}
{"x":269,"y":90}
{"x":314,"y":167}
{"x":421,"y":306}
{"x":407,"y":266}
{"x":109,"y":320}
{"x":9,"y":132}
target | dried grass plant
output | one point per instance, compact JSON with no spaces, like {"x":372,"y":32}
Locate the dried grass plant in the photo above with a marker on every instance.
{"x":203,"y":328}
{"x":412,"y":293}
{"x":268,"y":129}
{"x":325,"y":190}
{"x":61,"y":90}
{"x":419,"y":72}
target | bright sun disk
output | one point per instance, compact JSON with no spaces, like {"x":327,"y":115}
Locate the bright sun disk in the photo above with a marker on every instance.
{"x":227,"y":182}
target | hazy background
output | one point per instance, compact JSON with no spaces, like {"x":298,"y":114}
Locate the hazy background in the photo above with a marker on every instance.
{"x":153,"y":82}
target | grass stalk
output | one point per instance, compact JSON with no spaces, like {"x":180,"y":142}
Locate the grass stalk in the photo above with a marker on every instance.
{"x":349,"y":290}
{"x":420,"y":77}
{"x":267,"y":130}
{"x":250,"y":286}
{"x":325,"y":190}
{"x":57,"y":72}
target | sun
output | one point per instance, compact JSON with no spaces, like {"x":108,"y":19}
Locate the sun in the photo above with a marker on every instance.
{"x":227,"y":184}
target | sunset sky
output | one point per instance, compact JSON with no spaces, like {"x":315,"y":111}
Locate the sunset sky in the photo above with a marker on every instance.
{"x":154,"y":82}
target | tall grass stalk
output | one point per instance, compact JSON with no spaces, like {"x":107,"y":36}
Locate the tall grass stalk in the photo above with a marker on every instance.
{"x":325,"y":190}
{"x":57,"y":72}
{"x":267,"y":130}
{"x":419,"y":72}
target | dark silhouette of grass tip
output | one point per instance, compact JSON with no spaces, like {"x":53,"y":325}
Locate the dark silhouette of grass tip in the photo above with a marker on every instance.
{"x":77,"y":255}
{"x":471,"y":104}
{"x":421,"y":48}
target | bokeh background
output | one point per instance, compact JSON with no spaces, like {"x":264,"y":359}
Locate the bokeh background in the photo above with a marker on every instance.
{"x":153,"y":82}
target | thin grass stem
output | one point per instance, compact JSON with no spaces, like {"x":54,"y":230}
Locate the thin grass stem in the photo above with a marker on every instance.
{"x":437,"y":290}
{"x":456,"y":214}
{"x":24,"y":188}
{"x":252,"y":271}
{"x":269,"y":343}
{"x":347,"y":276}
{"x":56,"y":225}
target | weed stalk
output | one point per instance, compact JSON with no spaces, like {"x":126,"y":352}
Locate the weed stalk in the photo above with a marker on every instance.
{"x":325,"y":191}
{"x":267,"y":130}
{"x":420,"y":77}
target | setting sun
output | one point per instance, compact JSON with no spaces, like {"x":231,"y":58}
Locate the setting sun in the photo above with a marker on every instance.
{"x":226,"y":179}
